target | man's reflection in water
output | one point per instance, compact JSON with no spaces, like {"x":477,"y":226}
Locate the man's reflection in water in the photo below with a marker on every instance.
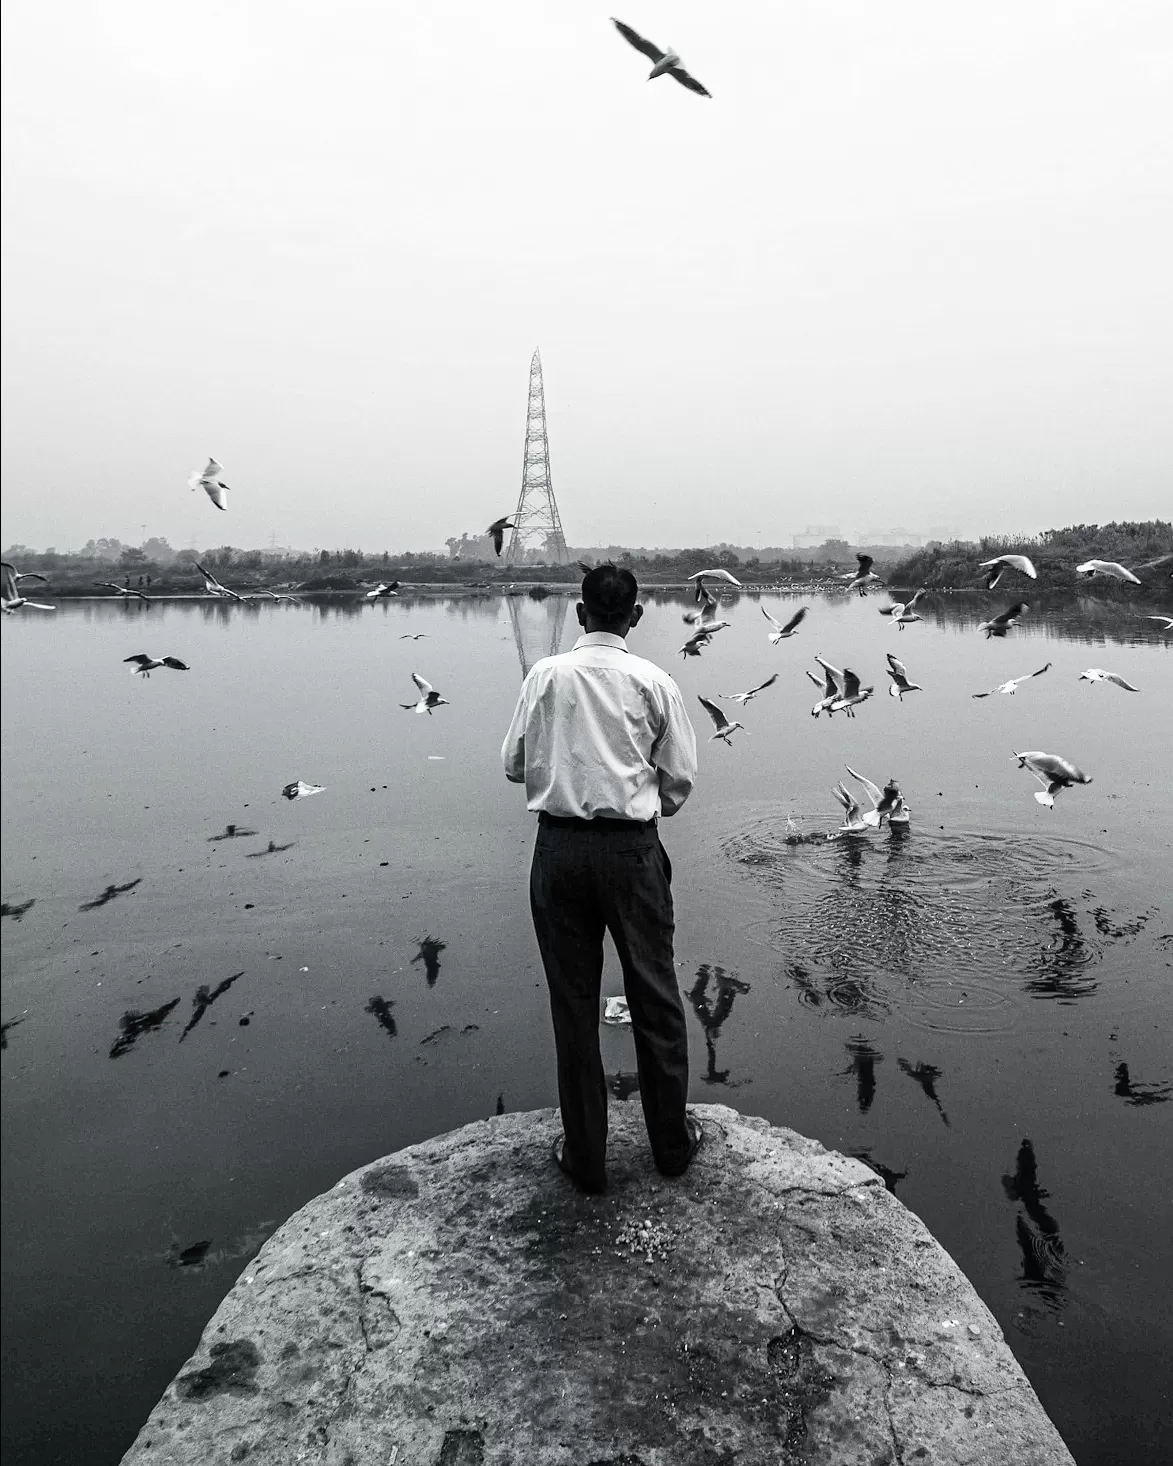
{"x":864,"y":1059}
{"x":713,"y":1015}
{"x":624,"y":1084}
{"x":889,"y":1177}
{"x":926,"y":1075}
{"x":1044,"y":1264}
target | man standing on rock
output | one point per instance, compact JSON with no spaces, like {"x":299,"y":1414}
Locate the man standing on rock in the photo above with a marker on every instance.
{"x":602,"y":742}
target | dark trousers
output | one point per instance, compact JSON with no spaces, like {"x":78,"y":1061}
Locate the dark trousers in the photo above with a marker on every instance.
{"x":585,"y":881}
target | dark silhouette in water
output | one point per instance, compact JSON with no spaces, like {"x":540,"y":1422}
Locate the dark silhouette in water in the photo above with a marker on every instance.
{"x":1044,"y":1265}
{"x":712,"y":1016}
{"x":429,"y":955}
{"x":864,"y":1059}
{"x":274,"y":849}
{"x":926,"y":1075}
{"x":500,"y":1110}
{"x":16,"y":912}
{"x":12,"y":1023}
{"x":1139,"y":1094}
{"x":204,"y":999}
{"x":231,"y":833}
{"x":889,"y":1177}
{"x":381,"y":1009}
{"x":134,"y":1025}
{"x":192,"y":1256}
{"x":624,"y":1084}
{"x":1063,"y":967}
{"x":109,"y":894}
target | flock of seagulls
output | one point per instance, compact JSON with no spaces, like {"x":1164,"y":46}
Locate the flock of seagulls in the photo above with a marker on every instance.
{"x":842,"y":690}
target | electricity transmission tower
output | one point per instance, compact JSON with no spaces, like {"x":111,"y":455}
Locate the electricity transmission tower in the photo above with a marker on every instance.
{"x":537,"y":524}
{"x":537,"y":627}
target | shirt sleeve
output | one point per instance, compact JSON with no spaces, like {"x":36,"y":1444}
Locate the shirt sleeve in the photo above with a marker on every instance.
{"x":674,"y":754}
{"x":513,"y":749}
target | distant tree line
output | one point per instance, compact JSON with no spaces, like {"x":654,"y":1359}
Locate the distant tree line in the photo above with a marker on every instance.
{"x":1139,"y":545}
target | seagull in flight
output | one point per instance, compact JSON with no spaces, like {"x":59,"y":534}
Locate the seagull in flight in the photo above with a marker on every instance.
{"x":899,"y":675}
{"x":780,"y":632}
{"x":124,"y":591}
{"x":213,"y":587}
{"x":999,"y":625}
{"x":902,"y":612}
{"x":709,"y":605}
{"x":703,"y":575}
{"x":1052,"y":772}
{"x":19,"y":575}
{"x":999,"y":565}
{"x":209,"y":481}
{"x":693,"y":646}
{"x":428,"y":699}
{"x":832,"y":684}
{"x":412,"y":635}
{"x":147,"y":664}
{"x":725,"y":728}
{"x":496,"y":532}
{"x":299,"y":789}
{"x":1166,"y":621}
{"x":1097,"y":674}
{"x":13,"y":601}
{"x":1012,"y":686}
{"x":663,"y":62}
{"x":744,"y":697}
{"x":382,"y":592}
{"x":1092,"y":568}
{"x":863,"y":577}
{"x":886,"y":803}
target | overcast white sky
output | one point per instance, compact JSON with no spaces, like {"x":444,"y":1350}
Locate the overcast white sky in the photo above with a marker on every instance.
{"x":911,"y":265}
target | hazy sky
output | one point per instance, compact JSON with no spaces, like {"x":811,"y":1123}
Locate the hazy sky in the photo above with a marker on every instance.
{"x":911,"y":265}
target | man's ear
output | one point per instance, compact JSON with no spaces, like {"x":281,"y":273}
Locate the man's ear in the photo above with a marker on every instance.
{"x":636,"y":612}
{"x":580,"y":612}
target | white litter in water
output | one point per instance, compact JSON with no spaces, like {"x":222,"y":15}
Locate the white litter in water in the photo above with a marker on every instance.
{"x":617,"y":1012}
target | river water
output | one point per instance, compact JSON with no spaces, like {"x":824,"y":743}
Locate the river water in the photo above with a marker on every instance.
{"x":202,"y":1033}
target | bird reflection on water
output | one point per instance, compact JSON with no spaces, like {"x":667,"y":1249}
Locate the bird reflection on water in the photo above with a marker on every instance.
{"x":886,"y":1174}
{"x":109,"y":894}
{"x":204,"y":999}
{"x":1138,"y":1093}
{"x":926,"y":1075}
{"x":1063,"y":967}
{"x":712,"y":1015}
{"x":1044,"y":1261}
{"x":429,"y":954}
{"x":863,"y":1061}
{"x":134,"y":1025}
{"x":380,"y":1008}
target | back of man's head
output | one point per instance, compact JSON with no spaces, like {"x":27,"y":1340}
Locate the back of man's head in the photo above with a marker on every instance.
{"x":609,"y":594}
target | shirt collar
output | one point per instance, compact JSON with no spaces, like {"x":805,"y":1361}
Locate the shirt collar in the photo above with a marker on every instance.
{"x":600,"y":638}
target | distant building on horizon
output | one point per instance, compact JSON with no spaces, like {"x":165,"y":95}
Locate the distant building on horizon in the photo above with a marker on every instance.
{"x":817,"y":534}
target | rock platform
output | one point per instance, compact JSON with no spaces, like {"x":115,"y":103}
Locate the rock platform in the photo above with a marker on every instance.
{"x":459,"y":1303}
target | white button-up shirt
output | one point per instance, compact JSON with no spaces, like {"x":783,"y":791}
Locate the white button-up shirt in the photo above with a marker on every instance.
{"x":600,"y":732}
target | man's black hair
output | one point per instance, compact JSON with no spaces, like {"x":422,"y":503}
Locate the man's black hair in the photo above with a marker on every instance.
{"x":609,"y":593}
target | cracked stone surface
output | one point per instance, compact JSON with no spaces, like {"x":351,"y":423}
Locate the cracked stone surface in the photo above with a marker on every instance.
{"x":460,"y":1304}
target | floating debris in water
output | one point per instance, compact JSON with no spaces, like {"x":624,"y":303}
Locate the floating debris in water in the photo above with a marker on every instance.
{"x":299,"y":789}
{"x":617,"y":1013}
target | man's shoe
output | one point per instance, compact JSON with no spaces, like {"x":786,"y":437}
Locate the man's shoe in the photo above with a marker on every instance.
{"x":696,"y":1138}
{"x":558,"y":1151}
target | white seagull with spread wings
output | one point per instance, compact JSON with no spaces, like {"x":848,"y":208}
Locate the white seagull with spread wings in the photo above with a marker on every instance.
{"x":902,"y":612}
{"x":1011,"y":687}
{"x":428,"y":699}
{"x":213,"y":587}
{"x":13,"y":600}
{"x":899,"y":675}
{"x":665,"y":63}
{"x":999,"y":625}
{"x":780,"y":632}
{"x":1052,"y":772}
{"x":1097,"y":674}
{"x":863,"y":577}
{"x":724,"y":727}
{"x":999,"y":565}
{"x":744,"y":697}
{"x":148,"y":664}
{"x":1110,"y":568}
{"x":209,"y":481}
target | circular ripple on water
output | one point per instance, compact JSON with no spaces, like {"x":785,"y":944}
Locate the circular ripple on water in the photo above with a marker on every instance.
{"x":949,"y":930}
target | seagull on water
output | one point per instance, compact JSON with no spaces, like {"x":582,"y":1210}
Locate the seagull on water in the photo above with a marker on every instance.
{"x":1052,"y":772}
{"x":496,"y":532}
{"x":899,"y":675}
{"x":428,"y":699}
{"x":209,"y":481}
{"x":863,"y":577}
{"x":1092,"y":568}
{"x":902,"y":612}
{"x":886,"y":803}
{"x":213,"y":587}
{"x":854,"y":823}
{"x":744,"y":697}
{"x":999,"y":625}
{"x":1097,"y":674}
{"x":382,"y":592}
{"x":13,"y":601}
{"x":299,"y":789}
{"x":147,"y":664}
{"x":724,"y":727}
{"x":780,"y":632}
{"x":663,"y":62}
{"x":999,"y":565}
{"x":1012,"y":686}
{"x":124,"y":591}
